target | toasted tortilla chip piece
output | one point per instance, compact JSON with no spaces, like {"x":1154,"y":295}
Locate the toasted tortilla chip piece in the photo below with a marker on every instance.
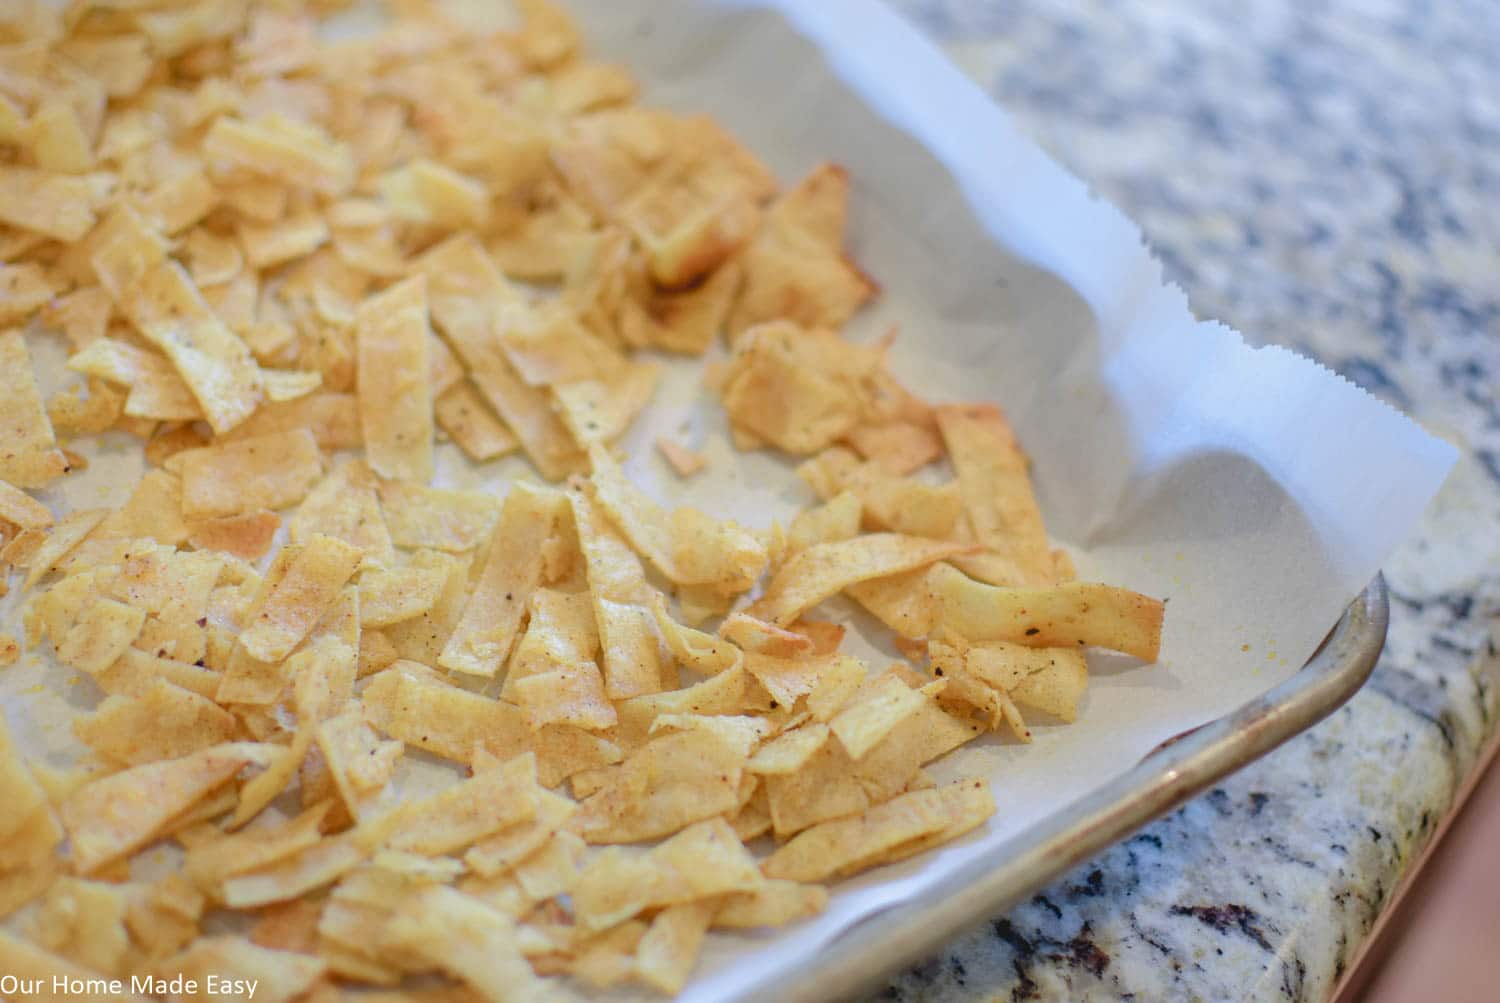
{"x":684,"y":461}
{"x":154,"y":389}
{"x":775,"y":903}
{"x":437,"y":518}
{"x":666,"y":954}
{"x":261,"y":472}
{"x":20,"y":509}
{"x":467,"y":939}
{"x":103,"y":630}
{"x":395,"y":398}
{"x":491,"y":620}
{"x":247,"y":536}
{"x":316,"y":573}
{"x":60,"y":206}
{"x":795,"y":269}
{"x":876,"y":709}
{"x":164,"y":721}
{"x":497,"y":796}
{"x":85,"y":922}
{"x":136,"y":671}
{"x":505,"y":849}
{"x":630,"y":654}
{"x":826,"y":569}
{"x":462,"y":413}
{"x":332,"y":418}
{"x":29,"y":457}
{"x":109,"y":818}
{"x":800,"y":390}
{"x":393,"y":595}
{"x":967,"y":802}
{"x":308,"y":870}
{"x":1073,"y":613}
{"x":1052,"y":680}
{"x":789,"y":751}
{"x":899,"y":447}
{"x":282,"y":149}
{"x":671,"y":781}
{"x":687,"y":546}
{"x":26,"y":962}
{"x":466,"y":293}
{"x":596,"y":412}
{"x":451,"y":722}
{"x":157,"y":296}
{"x":153,"y":510}
{"x":700,"y":862}
{"x":848,"y":845}
{"x":425,"y":191}
{"x":27,"y":809}
{"x":208,"y":864}
{"x":998,"y":498}
{"x":344,"y":505}
{"x":278,"y":976}
{"x":359,"y":762}
{"x":836,"y":519}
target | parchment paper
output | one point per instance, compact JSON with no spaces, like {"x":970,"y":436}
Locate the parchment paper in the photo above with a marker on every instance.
{"x":1255,"y":490}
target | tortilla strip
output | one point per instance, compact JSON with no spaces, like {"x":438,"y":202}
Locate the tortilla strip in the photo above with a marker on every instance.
{"x":19,"y":508}
{"x":26,"y":962}
{"x":155,"y":389}
{"x":453,"y":723}
{"x":282,"y":149}
{"x":58,"y":205}
{"x":1073,"y":613}
{"x":296,"y":603}
{"x":157,"y":296}
{"x":686,"y":545}
{"x":395,"y":397}
{"x":996,"y":486}
{"x":467,"y":295}
{"x":29,"y":456}
{"x":492,"y":618}
{"x":462,"y":413}
{"x":436,"y":518}
{"x":260,"y":472}
{"x":631,"y":657}
{"x":825,"y":569}
{"x":344,"y":506}
{"x":116,"y":815}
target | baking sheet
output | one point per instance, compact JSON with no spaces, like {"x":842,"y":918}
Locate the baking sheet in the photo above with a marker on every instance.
{"x":1255,"y":490}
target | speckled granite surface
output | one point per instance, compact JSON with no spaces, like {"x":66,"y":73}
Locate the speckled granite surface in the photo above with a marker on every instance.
{"x":1326,"y":177}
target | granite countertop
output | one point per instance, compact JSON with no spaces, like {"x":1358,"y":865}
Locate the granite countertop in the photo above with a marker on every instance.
{"x":1326,"y":179}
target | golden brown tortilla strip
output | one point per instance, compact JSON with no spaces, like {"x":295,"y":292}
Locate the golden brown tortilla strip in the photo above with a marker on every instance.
{"x":828,"y":568}
{"x":395,"y":397}
{"x":310,"y":586}
{"x":344,"y":506}
{"x":462,"y":413}
{"x":60,"y":206}
{"x":157,"y":296}
{"x":996,"y":487}
{"x":20,"y":509}
{"x":492,"y":617}
{"x":29,"y":457}
{"x":1066,"y":615}
{"x":282,"y":149}
{"x":261,"y":472}
{"x":466,"y":293}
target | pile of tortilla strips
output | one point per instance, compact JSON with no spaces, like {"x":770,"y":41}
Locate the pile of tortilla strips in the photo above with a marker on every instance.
{"x":289,"y":267}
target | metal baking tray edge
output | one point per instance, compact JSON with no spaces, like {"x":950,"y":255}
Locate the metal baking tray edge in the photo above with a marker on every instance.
{"x":905,"y":932}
